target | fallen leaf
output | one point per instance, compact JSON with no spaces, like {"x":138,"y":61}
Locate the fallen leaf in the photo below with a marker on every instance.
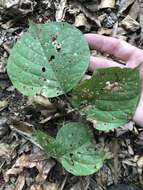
{"x":130,"y":24}
{"x":4,"y":128}
{"x":5,"y":150}
{"x":18,"y":6}
{"x":134,"y":11}
{"x":38,"y":160}
{"x":60,"y":10}
{"x":12,"y":171}
{"x":3,"y":104}
{"x":20,"y":183}
{"x":36,"y":187}
{"x":44,"y":168}
{"x":51,"y":186}
{"x":8,"y":3}
{"x":105,"y":31}
{"x":81,"y":20}
{"x":40,"y":100}
{"x":86,"y":12}
{"x":141,"y":17}
{"x":124,"y":4}
{"x":107,"y":4}
{"x":140,"y":162}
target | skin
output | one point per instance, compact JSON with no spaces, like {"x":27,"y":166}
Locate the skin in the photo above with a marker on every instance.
{"x":130,"y":55}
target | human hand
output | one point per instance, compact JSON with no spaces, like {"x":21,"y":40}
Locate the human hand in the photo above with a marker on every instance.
{"x":121,"y":50}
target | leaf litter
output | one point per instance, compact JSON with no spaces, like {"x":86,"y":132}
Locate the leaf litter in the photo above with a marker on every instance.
{"x":17,"y":163}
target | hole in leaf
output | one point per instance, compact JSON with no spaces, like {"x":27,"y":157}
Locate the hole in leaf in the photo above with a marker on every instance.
{"x":72,"y":162}
{"x":43,"y":69}
{"x":58,"y":47}
{"x":71,"y":154}
{"x":51,"y":58}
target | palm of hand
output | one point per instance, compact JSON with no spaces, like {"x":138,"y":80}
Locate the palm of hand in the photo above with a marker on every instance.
{"x":131,"y":55}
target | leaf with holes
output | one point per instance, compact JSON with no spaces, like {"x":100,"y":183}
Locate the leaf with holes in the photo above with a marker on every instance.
{"x":109,"y":98}
{"x":73,"y":147}
{"x":49,"y":59}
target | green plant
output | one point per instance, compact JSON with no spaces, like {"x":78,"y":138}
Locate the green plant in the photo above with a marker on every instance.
{"x":51,"y":60}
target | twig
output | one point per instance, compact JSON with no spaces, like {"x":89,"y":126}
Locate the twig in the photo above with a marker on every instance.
{"x":64,"y":182}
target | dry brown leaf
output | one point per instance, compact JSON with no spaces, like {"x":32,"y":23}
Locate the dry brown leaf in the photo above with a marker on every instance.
{"x":60,"y":10}
{"x":105,"y":31}
{"x":38,"y":160}
{"x":107,"y":4}
{"x":80,"y":20}
{"x":29,"y":161}
{"x":124,"y":129}
{"x":86,"y":12}
{"x":134,"y":11}
{"x":141,"y":17}
{"x":4,"y":128}
{"x":51,"y":186}
{"x":20,"y":183}
{"x":24,"y":129}
{"x":8,"y":187}
{"x":3,"y":104}
{"x":92,"y":5}
{"x":12,"y":171}
{"x":36,"y":187}
{"x":122,"y":37}
{"x":18,"y":6}
{"x":124,"y":4}
{"x":44,"y":169}
{"x":130,"y":24}
{"x":5,"y":150}
{"x":140,"y":162}
{"x":40,"y":100}
{"x":8,"y":3}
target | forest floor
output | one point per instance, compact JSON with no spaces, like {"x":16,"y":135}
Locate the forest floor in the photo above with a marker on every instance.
{"x":23,"y":166}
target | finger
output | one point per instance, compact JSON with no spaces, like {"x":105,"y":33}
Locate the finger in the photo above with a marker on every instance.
{"x":136,"y":59}
{"x":138,"y":118}
{"x":116,"y":47}
{"x":97,"y":62}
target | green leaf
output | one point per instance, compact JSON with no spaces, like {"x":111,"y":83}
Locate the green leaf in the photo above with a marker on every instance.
{"x":109,"y":98}
{"x":49,"y":59}
{"x":73,"y":147}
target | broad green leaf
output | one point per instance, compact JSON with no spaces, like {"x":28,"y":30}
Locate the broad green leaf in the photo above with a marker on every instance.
{"x":49,"y":59}
{"x":109,"y":98}
{"x":73,"y":147}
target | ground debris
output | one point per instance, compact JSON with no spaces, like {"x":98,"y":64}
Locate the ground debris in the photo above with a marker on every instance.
{"x":130,"y":24}
{"x":23,"y":165}
{"x":107,"y":4}
{"x":23,"y":7}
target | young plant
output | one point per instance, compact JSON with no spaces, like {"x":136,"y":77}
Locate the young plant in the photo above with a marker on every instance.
{"x":50,"y":60}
